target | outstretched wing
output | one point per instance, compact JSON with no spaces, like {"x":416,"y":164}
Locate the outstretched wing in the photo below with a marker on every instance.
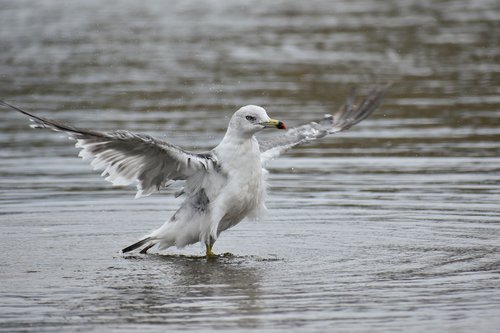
{"x":352,"y":112}
{"x":127,"y":157}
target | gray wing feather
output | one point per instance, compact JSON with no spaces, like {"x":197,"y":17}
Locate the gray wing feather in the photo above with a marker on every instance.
{"x":352,"y":112}
{"x":126,"y":157}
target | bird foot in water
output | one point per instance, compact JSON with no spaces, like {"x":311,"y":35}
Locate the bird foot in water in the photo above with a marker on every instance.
{"x":212,"y":256}
{"x":209,"y":253}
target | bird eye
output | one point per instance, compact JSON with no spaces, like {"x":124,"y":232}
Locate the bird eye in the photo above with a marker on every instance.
{"x":250,"y":118}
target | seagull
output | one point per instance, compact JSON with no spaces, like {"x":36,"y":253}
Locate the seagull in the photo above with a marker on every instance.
{"x":222,"y":186}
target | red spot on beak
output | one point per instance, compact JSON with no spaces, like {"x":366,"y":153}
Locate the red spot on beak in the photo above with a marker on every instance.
{"x":281,"y":125}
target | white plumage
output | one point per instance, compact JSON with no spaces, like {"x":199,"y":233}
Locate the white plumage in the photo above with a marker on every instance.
{"x":221,"y":195}
{"x":222,"y":186}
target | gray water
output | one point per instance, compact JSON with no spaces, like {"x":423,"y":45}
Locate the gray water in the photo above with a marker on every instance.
{"x":391,"y":226}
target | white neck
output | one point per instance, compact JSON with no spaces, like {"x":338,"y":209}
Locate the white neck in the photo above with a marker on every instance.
{"x":235,"y":149}
{"x":235,"y":137}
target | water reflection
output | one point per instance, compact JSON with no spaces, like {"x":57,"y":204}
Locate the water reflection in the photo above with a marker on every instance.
{"x":178,"y":288}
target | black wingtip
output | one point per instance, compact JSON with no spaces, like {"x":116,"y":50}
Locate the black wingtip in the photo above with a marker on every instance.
{"x":136,"y":245}
{"x":55,"y":125}
{"x":356,"y":109}
{"x":4,"y":103}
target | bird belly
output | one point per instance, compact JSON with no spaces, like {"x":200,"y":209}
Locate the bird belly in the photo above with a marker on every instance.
{"x":245,"y":195}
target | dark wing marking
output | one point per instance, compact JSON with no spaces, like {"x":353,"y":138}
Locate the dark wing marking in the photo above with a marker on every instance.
{"x":126,"y":157}
{"x":352,"y":112}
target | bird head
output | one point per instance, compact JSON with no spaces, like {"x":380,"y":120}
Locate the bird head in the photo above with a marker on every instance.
{"x":251,"y":119}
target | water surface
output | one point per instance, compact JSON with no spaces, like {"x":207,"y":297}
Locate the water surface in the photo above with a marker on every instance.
{"x":391,"y":226}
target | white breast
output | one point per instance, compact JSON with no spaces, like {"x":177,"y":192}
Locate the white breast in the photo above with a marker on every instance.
{"x":245,"y":189}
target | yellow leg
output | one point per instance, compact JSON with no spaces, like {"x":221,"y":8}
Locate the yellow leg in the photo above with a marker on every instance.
{"x":210,"y":253}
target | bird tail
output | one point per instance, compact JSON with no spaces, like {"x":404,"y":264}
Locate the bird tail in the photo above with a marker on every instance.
{"x":136,"y":245}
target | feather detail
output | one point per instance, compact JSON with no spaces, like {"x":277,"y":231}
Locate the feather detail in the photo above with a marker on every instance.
{"x":352,"y":112}
{"x":126,"y":157}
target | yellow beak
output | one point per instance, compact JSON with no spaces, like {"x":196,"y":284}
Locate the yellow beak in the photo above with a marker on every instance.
{"x":273,"y":123}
